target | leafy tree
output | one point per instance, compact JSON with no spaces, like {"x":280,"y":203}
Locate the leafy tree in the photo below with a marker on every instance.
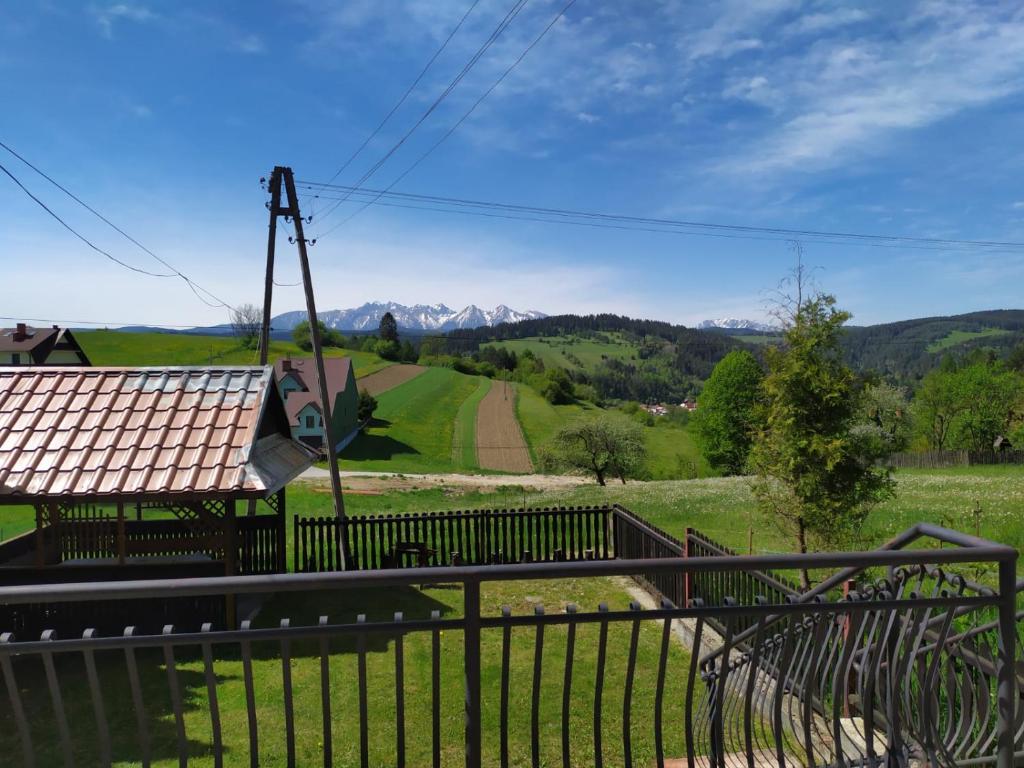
{"x":967,"y":407}
{"x":328,"y":337}
{"x":366,"y":406}
{"x":725,"y":411}
{"x":603,"y":446}
{"x":408,"y":352}
{"x":389,"y":350}
{"x":557,"y":387}
{"x":816,"y":477}
{"x":884,"y":417}
{"x":388,"y":327}
{"x":246,"y":323}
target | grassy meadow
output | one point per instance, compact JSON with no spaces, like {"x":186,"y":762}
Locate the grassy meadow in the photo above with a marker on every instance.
{"x":571,"y":352}
{"x":464,"y":434}
{"x":119,"y":348}
{"x":414,"y":425}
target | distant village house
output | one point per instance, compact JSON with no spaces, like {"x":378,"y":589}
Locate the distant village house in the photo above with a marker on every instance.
{"x":25,"y":345}
{"x":296,"y":380}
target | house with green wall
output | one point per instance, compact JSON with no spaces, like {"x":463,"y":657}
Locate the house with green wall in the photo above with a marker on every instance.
{"x":296,"y":381}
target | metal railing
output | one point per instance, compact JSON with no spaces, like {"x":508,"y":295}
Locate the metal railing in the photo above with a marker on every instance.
{"x":866,"y":680}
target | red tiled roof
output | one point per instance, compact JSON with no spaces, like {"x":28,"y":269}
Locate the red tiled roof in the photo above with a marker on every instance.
{"x":336,"y":370}
{"x":142,"y":432}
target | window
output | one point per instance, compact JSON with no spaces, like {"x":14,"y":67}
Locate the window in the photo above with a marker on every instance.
{"x":309,"y":422}
{"x":15,"y":358}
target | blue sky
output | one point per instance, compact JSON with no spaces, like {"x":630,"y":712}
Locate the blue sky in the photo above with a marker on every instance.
{"x":891,"y":118}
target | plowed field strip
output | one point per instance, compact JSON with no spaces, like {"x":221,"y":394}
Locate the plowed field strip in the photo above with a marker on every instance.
{"x":499,"y":439}
{"x":389,"y":378}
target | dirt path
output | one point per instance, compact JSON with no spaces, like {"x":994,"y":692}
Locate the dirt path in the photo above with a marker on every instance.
{"x":389,"y":378}
{"x":499,"y":438}
{"x":383,"y":482}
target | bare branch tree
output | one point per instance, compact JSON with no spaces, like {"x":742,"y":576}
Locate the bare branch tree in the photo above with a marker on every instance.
{"x":788,"y":298}
{"x":246,"y":321}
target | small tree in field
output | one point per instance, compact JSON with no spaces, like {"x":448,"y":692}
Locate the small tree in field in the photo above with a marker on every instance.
{"x":388,"y":327}
{"x":725,"y":415}
{"x":816,"y":477}
{"x":246,"y":322}
{"x":602,"y":446}
{"x":366,"y":406}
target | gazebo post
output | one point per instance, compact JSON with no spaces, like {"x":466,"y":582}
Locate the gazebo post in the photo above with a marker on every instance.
{"x":230,"y":539}
{"x":122,"y":539}
{"x":40,"y":538}
{"x":54,"y":555}
{"x":282,"y":532}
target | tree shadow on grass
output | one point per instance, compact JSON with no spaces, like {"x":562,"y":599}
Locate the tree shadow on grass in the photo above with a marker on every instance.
{"x":342,"y":607}
{"x":376,"y":447}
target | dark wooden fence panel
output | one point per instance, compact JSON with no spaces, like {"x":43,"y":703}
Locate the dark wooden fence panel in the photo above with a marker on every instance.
{"x":943,"y":459}
{"x":475,"y":537}
{"x":18,"y":548}
{"x":259,"y":547}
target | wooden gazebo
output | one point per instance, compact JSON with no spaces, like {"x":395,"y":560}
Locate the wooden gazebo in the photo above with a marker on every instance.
{"x":136,"y":472}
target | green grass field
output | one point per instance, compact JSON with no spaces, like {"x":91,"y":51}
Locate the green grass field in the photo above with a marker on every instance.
{"x":540,"y":420}
{"x":464,"y":440}
{"x":571,"y":351}
{"x":954,"y":338}
{"x":118,"y":348}
{"x":414,"y":425}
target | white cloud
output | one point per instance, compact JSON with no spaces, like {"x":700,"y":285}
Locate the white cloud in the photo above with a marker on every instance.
{"x":1019,"y":204}
{"x":106,"y":16}
{"x":586,"y":117}
{"x":141,"y":111}
{"x":813,"y":23}
{"x":249,"y":44}
{"x":840,"y":102}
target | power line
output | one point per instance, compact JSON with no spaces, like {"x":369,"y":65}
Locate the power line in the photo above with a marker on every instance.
{"x":509,"y":17}
{"x":494,"y":209}
{"x":193,"y":286}
{"x":76,"y":233}
{"x":462,"y":119}
{"x":408,"y":91}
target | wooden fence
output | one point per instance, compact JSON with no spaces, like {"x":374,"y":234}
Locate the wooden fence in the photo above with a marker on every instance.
{"x":476,"y":537}
{"x":943,"y":459}
{"x":259,"y":548}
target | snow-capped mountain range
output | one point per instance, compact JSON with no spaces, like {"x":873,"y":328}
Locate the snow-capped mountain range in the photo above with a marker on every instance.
{"x":420,"y":317}
{"x":734,"y":324}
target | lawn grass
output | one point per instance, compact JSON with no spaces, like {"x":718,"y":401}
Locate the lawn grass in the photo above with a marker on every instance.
{"x":413,"y":426}
{"x":959,"y":337}
{"x":121,"y":348}
{"x":521,"y":597}
{"x":464,"y":442}
{"x":672,"y":454}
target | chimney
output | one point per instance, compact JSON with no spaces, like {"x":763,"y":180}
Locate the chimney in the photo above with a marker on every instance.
{"x":21,"y":332}
{"x":286,"y":364}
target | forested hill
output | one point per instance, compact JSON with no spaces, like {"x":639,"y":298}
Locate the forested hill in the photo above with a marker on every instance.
{"x":661,"y":362}
{"x":908,"y":349}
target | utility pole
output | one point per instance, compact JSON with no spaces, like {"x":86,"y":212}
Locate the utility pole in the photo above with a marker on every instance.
{"x":279,"y":175}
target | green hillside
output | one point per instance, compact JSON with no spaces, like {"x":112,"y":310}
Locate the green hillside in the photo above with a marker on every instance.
{"x":121,"y":348}
{"x":907,"y":350}
{"x":573,"y":352}
{"x":413,"y":426}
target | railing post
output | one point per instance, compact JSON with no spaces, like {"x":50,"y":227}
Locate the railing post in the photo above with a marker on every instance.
{"x":687,"y":577}
{"x":471,"y":618}
{"x":1006,"y":672}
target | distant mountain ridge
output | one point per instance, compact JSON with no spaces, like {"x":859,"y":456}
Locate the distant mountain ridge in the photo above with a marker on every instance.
{"x":735,"y":324}
{"x":419,"y":317}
